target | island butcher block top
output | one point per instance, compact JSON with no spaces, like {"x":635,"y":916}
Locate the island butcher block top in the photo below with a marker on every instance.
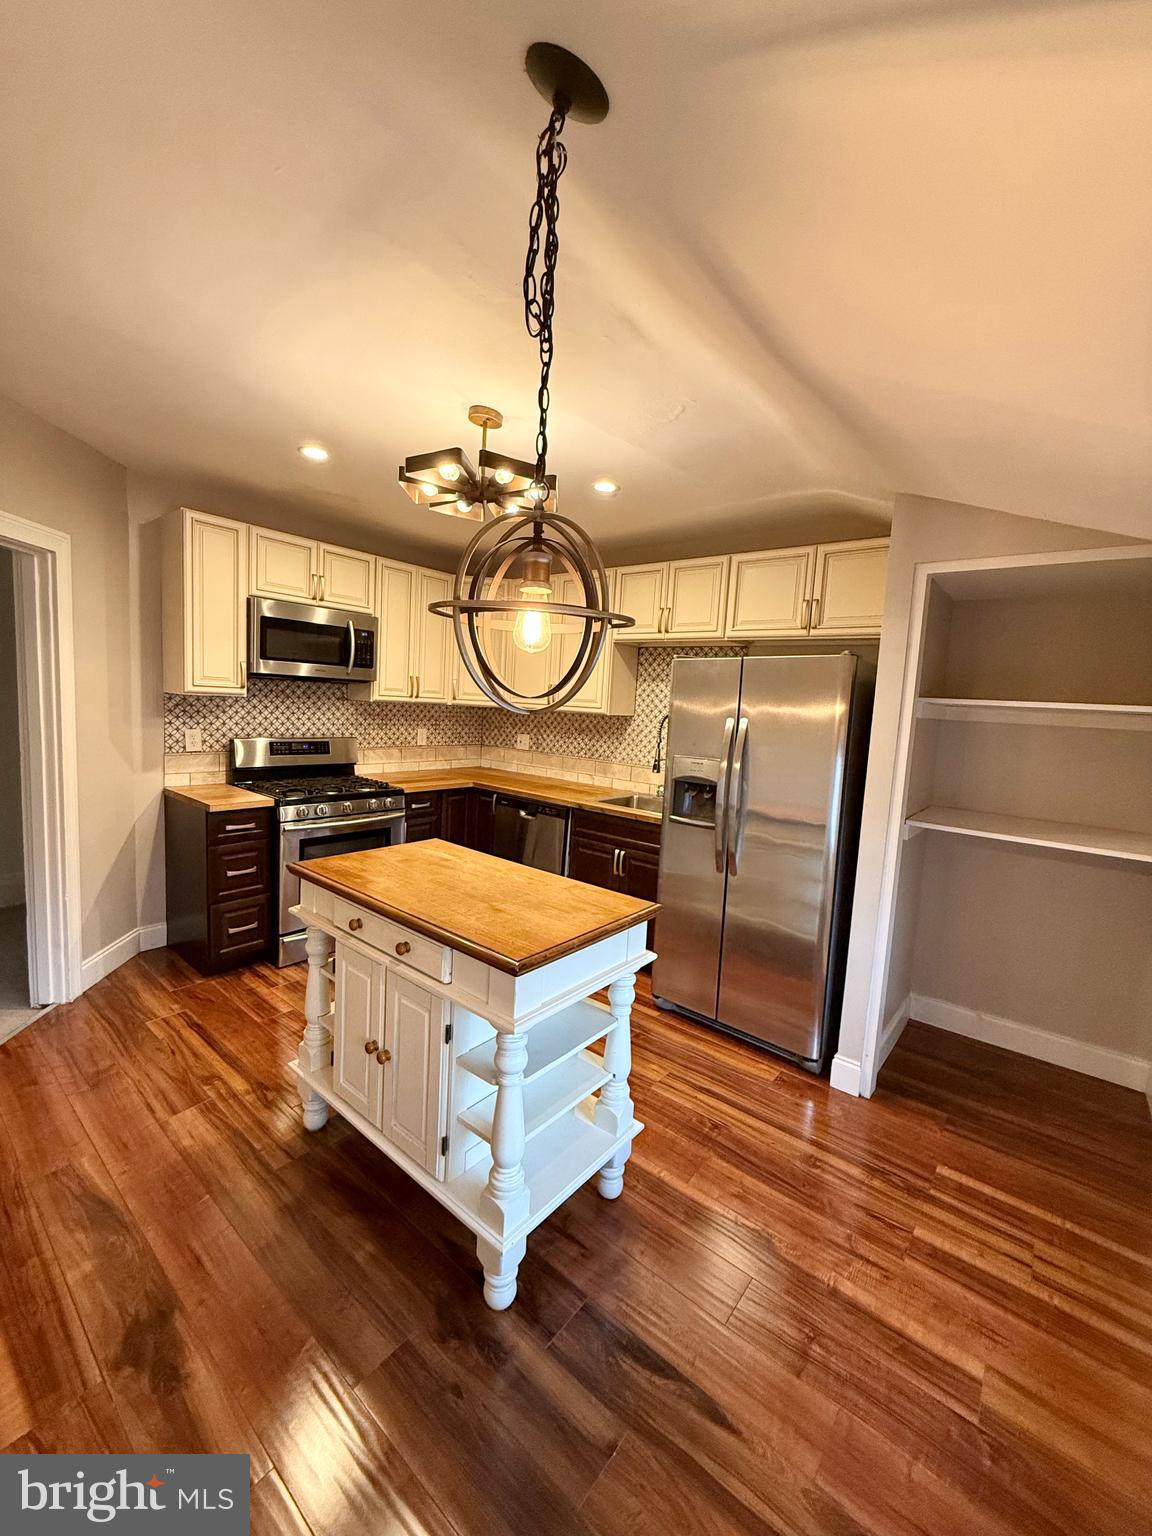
{"x":510,"y":916}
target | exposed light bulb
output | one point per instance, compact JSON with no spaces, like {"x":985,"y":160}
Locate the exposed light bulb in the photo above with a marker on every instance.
{"x":430,"y":490}
{"x":605,"y":487}
{"x":538,"y":492}
{"x":314,"y":453}
{"x":532,"y":630}
{"x":502,"y":476}
{"x":449,"y":471}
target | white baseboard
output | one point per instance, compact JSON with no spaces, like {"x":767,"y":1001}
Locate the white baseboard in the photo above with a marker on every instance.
{"x":1059,"y":1050}
{"x":113,"y":955}
{"x":845,"y":1075}
{"x":892,"y":1030}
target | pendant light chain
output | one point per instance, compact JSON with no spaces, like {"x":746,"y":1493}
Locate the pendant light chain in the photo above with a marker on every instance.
{"x":540,"y":293}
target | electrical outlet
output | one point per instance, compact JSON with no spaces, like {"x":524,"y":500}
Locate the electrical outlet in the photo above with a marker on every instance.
{"x":523,"y":743}
{"x":194,"y":740}
{"x":421,"y":735}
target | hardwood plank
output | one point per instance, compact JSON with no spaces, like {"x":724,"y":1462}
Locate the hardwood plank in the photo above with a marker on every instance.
{"x":274,"y":1511}
{"x":648,"y":1492}
{"x":88,"y":1423}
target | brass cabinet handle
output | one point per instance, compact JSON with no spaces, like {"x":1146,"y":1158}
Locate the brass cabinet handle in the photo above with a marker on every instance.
{"x":623,"y":856}
{"x":805,"y":612}
{"x":371,"y":1047}
{"x":355,"y":924}
{"x":383,"y":1056}
{"x":403,"y":948}
{"x":417,"y":694}
{"x":815,"y":622}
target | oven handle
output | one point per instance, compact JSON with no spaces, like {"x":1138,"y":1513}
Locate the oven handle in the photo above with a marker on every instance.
{"x":351,"y":646}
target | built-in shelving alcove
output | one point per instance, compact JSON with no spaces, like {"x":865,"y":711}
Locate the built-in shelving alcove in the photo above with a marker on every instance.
{"x":1021,"y":899}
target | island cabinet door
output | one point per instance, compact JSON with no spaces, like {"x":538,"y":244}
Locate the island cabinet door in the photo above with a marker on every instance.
{"x":360,"y":1032}
{"x":414,"y":1076}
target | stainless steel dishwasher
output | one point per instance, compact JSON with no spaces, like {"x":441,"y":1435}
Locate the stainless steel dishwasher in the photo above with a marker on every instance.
{"x":530,"y":833}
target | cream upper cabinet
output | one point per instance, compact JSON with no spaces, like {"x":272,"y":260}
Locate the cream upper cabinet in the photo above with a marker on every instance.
{"x":769,"y":593}
{"x":205,"y":603}
{"x":414,"y":1070}
{"x":496,"y":642}
{"x":395,"y":673}
{"x":611,"y":689}
{"x":299,"y":570}
{"x":432,"y":640}
{"x":695,"y":595}
{"x":848,"y":590}
{"x":347,"y":578}
{"x":640,"y":594}
{"x":283,"y":565}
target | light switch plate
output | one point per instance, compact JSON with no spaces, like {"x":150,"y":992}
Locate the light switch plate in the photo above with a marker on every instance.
{"x":194,"y":739}
{"x":421,"y":735}
{"x":523,"y":743}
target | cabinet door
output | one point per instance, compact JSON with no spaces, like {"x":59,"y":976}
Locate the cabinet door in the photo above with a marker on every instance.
{"x":347,"y":578}
{"x":421,"y":817}
{"x":357,"y":1076}
{"x":414,"y":1077}
{"x":696,"y":594}
{"x":283,"y":565}
{"x":433,"y":643}
{"x":595,"y":696}
{"x":769,"y":592}
{"x":215,"y":559}
{"x":640,"y":593}
{"x":455,"y":817}
{"x":496,"y":642}
{"x":848,"y":597}
{"x":641,"y":871}
{"x":396,"y":600}
{"x":482,"y":819}
{"x":593,"y":860}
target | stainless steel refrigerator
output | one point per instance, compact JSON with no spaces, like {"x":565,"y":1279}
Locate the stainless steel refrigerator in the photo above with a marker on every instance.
{"x":762,"y":796}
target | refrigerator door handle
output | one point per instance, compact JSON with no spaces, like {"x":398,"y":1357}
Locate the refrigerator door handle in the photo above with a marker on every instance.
{"x":720,"y":828}
{"x":736,"y":812}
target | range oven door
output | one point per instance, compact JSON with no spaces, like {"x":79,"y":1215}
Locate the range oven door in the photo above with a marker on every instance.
{"x":308,"y":641}
{"x":323,"y":840}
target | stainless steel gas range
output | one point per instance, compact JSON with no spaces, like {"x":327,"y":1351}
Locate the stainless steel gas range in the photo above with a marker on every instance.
{"x":323,"y":808}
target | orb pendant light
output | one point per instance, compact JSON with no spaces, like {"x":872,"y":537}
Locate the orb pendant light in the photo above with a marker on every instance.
{"x":530,"y":581}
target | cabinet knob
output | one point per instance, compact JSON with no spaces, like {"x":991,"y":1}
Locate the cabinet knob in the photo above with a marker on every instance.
{"x":371,"y":1047}
{"x":383,"y":1056}
{"x":403,"y":948}
{"x":355,"y":923}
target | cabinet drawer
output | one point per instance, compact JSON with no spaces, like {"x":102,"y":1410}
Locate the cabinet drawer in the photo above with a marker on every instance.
{"x":237,"y":927}
{"x":234,"y":826}
{"x":236,"y":869}
{"x":400,"y":943}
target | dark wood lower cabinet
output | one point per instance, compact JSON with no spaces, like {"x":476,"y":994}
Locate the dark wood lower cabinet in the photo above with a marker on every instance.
{"x":466,"y":818}
{"x":422,"y":816}
{"x":219,"y":875}
{"x":616,"y":853}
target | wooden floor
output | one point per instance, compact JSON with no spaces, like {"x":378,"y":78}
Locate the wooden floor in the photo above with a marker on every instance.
{"x":931,"y":1312}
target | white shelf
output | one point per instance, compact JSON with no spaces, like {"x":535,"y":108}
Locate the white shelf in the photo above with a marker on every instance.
{"x":546,"y":1098}
{"x":550,"y":1042}
{"x":1101,"y":842}
{"x":1116,"y":717}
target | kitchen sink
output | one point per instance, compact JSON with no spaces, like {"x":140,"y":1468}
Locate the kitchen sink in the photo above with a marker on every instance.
{"x":653,"y":803}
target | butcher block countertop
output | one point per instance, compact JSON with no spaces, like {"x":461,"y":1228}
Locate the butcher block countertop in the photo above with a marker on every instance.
{"x":510,"y":916}
{"x":220,"y":797}
{"x":551,"y":791}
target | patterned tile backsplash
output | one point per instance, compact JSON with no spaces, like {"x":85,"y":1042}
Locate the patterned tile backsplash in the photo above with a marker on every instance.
{"x":276,"y":707}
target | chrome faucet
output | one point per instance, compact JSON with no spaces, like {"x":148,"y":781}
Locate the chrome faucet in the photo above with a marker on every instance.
{"x":658,"y":761}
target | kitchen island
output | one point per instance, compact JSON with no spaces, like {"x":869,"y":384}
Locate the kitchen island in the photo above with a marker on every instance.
{"x":450,"y":1020}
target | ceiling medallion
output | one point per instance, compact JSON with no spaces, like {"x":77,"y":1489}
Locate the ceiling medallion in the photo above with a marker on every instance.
{"x":533,"y":569}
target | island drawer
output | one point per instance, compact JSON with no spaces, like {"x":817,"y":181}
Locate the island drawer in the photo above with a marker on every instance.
{"x":421,"y":954}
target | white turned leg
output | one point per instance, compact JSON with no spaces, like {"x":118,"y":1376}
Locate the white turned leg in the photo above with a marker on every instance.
{"x":316,"y":1046}
{"x":615,"y":1110}
{"x":610,"y":1179}
{"x":505,"y":1202}
{"x":500,"y":1271}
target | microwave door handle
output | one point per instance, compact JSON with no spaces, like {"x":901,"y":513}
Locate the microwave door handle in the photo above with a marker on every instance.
{"x":720,"y":825}
{"x":351,"y":646}
{"x":736,"y":813}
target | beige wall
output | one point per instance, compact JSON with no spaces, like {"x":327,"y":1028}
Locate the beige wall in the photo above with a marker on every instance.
{"x":54,"y":479}
{"x":11,"y":839}
{"x":923,"y":530}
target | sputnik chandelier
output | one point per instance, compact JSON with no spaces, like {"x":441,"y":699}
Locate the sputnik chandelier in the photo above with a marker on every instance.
{"x":524,"y":552}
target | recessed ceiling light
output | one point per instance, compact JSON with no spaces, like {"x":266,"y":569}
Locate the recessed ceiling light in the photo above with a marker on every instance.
{"x":605,"y":487}
{"x":314,"y":453}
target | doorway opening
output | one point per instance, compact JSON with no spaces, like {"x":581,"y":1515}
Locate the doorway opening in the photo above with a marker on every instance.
{"x":15,"y":993}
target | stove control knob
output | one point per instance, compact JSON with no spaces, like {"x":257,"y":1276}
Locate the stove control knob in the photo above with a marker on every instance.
{"x":347,"y":807}
{"x":303,"y":810}
{"x":373,"y":805}
{"x":323,"y":810}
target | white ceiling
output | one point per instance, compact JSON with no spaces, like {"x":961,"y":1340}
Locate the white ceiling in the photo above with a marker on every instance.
{"x":818,"y":253}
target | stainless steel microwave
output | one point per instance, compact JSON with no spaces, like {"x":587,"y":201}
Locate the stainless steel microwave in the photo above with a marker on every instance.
{"x":306,"y":640}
